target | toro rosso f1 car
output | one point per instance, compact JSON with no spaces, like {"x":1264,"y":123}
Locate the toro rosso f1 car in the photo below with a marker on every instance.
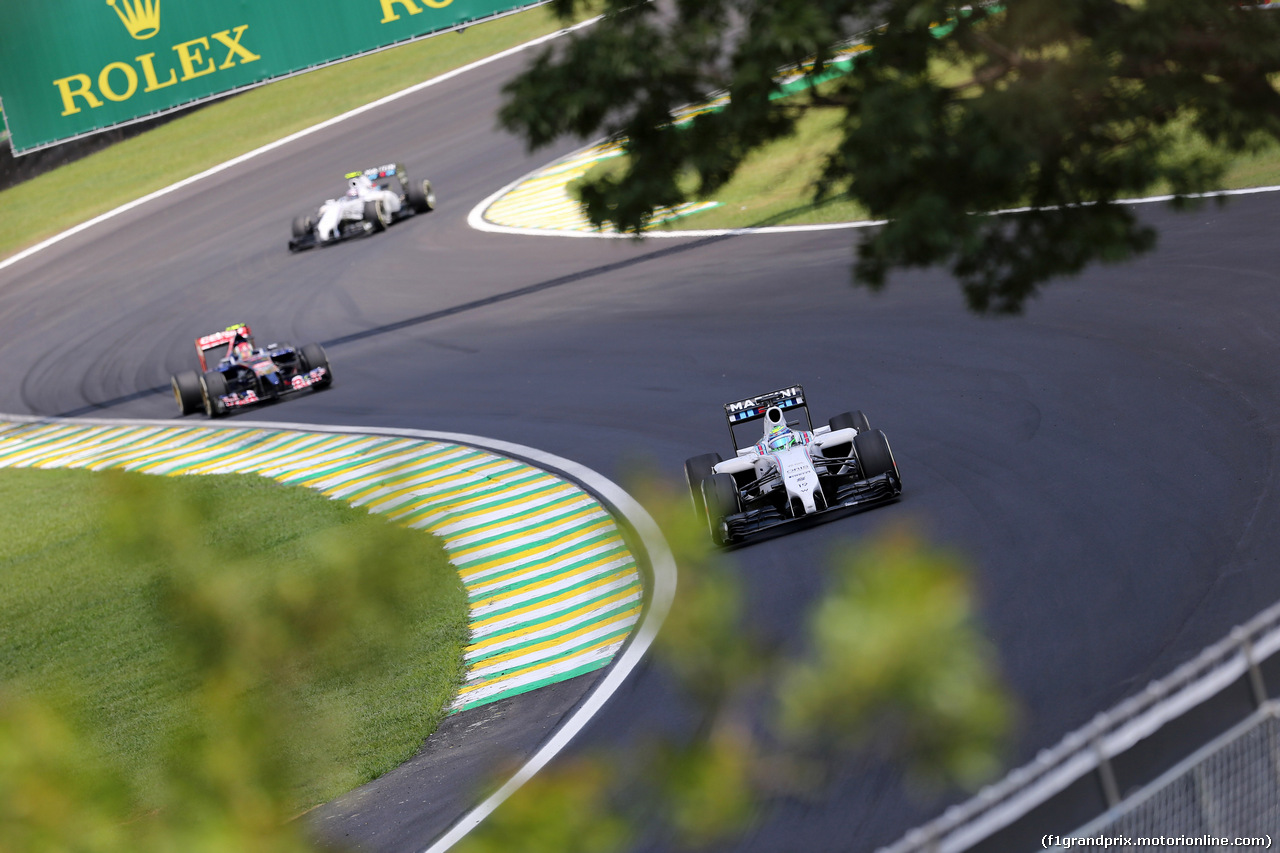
{"x":784,"y":470}
{"x":235,"y":373}
{"x":375,"y":199}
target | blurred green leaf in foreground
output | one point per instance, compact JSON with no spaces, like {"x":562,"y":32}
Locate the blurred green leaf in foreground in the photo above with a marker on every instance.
{"x":258,"y":648}
{"x":896,"y":656}
{"x":1066,"y":108}
{"x":893,"y":663}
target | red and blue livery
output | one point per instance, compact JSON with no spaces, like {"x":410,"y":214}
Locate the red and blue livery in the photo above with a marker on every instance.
{"x":234,"y":372}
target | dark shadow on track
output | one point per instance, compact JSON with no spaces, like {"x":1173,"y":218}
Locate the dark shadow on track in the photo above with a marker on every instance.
{"x":420,"y":319}
{"x":114,"y":401}
{"x":523,"y":291}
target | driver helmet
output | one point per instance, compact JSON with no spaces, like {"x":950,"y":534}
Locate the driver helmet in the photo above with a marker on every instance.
{"x":358,"y":184}
{"x":781,"y":437}
{"x":243,"y":350}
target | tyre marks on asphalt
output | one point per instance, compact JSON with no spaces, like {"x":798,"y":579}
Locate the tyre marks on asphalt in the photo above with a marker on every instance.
{"x":554,"y":591}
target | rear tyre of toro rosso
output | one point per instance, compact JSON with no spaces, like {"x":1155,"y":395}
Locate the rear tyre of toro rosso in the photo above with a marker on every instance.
{"x":375,"y":213}
{"x":313,"y":356}
{"x":213,"y":386}
{"x":421,"y":197}
{"x":720,"y":494}
{"x":187,"y":393}
{"x":697,"y":469}
{"x":874,"y":455}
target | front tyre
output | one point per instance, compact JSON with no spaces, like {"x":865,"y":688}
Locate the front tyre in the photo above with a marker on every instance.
{"x":187,"y":392}
{"x":213,"y":387}
{"x":720,"y":495}
{"x":313,"y":356}
{"x":875,"y":457}
{"x":302,"y":226}
{"x":697,"y":469}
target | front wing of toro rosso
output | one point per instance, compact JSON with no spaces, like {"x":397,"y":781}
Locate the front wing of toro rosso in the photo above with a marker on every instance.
{"x":396,"y":197}
{"x":271,"y":373}
{"x":814,"y":472}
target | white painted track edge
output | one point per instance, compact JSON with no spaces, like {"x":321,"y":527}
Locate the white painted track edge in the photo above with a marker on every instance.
{"x":661,"y":561}
{"x":271,"y":146}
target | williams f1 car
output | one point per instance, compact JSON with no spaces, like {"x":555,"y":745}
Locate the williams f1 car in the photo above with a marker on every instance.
{"x":784,"y":470}
{"x":375,"y":199}
{"x":234,"y":373}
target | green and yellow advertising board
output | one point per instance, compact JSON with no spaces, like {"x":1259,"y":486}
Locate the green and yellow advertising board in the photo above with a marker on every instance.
{"x":71,"y":67}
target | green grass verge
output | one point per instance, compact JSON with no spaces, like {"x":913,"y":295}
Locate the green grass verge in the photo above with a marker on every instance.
{"x":775,"y":185}
{"x":80,"y":619}
{"x":193,"y":143}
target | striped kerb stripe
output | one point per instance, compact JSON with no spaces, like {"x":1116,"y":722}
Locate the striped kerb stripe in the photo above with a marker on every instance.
{"x":554,"y":591}
{"x":543,"y":200}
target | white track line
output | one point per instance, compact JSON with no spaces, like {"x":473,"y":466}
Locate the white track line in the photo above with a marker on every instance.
{"x":661,"y":562}
{"x":271,"y":146}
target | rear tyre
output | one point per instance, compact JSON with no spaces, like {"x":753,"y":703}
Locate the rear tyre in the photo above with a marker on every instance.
{"x":844,"y":420}
{"x":375,"y":213}
{"x":302,"y":226}
{"x":857,"y":420}
{"x":421,"y":197}
{"x":187,"y":393}
{"x":720,"y":495}
{"x":213,"y":386}
{"x":874,"y":455}
{"x":313,"y":356}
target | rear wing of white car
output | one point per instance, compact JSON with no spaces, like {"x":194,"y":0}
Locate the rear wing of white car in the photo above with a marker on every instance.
{"x":741,"y":413}
{"x":381,"y":174}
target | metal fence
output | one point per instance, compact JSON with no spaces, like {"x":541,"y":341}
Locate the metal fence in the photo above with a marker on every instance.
{"x":1225,"y":793}
{"x":1118,"y":766}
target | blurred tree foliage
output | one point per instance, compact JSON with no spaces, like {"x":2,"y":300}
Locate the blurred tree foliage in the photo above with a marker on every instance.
{"x":896,"y":655}
{"x":893,"y":661}
{"x":251,"y":639}
{"x":1065,"y":107}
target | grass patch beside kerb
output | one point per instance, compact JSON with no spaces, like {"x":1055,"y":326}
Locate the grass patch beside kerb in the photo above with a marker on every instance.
{"x":51,"y":203}
{"x":775,"y":185}
{"x":74,"y":612}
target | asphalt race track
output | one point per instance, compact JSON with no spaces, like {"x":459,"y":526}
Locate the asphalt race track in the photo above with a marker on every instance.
{"x":1107,"y":460}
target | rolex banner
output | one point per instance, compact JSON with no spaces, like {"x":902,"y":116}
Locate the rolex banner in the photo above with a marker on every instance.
{"x":70,"y":67}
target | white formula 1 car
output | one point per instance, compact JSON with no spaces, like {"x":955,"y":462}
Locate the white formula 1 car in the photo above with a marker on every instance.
{"x":375,"y":199}
{"x":792,"y":471}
